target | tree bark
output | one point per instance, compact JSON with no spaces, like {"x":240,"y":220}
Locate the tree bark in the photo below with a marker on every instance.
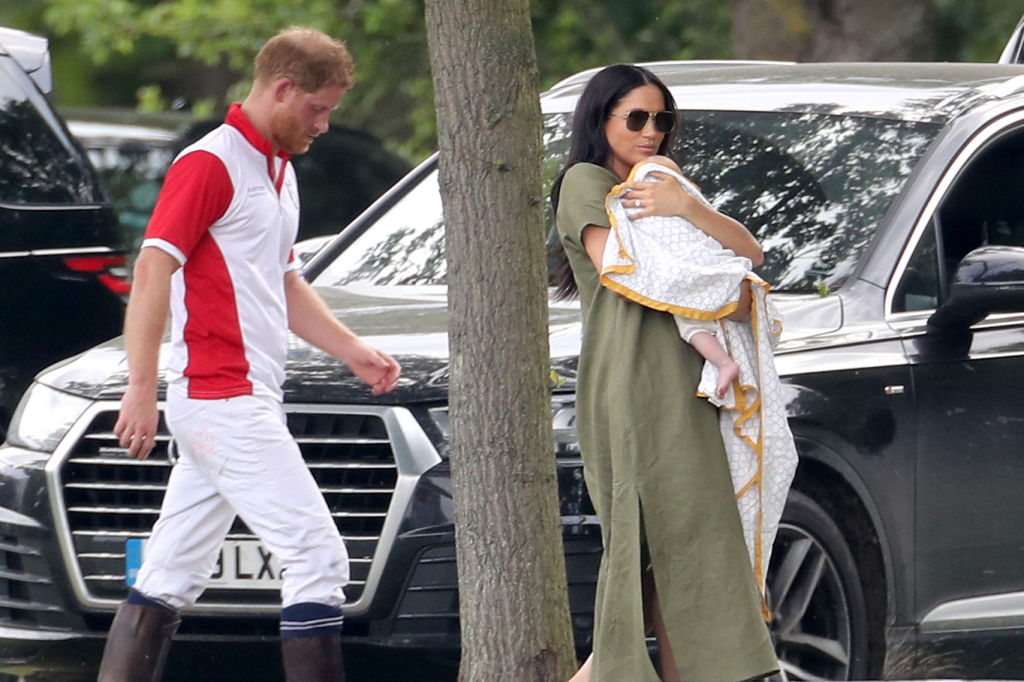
{"x":833,"y":30}
{"x":512,"y":583}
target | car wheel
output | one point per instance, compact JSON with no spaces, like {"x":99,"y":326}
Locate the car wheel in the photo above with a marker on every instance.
{"x":819,"y":618}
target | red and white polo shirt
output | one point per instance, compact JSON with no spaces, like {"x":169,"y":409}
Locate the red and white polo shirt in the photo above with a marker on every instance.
{"x":229,"y":213}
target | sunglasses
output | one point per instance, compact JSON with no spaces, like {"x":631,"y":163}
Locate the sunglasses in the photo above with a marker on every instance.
{"x":636,"y":119}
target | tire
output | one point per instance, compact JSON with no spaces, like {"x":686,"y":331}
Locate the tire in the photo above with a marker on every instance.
{"x":819,"y":617}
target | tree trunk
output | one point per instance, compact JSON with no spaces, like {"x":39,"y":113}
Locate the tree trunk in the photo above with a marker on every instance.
{"x":512,"y":583}
{"x":833,"y":30}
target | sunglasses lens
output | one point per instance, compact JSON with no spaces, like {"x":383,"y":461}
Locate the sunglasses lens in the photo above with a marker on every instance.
{"x":636,"y":119}
{"x":664,"y":121}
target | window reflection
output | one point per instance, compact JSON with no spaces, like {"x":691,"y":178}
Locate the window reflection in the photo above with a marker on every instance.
{"x":812,"y":187}
{"x":35,"y":167}
{"x":132,"y":174}
{"x":406,"y":246}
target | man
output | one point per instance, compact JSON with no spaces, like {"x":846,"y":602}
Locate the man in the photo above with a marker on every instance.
{"x":217,"y":252}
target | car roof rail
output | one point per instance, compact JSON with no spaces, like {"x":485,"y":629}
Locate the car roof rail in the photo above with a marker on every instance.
{"x":1013,"y":52}
{"x":32,"y":53}
{"x":662,"y":66}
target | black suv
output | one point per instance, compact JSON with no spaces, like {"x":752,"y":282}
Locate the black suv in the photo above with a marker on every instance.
{"x":62,"y":274}
{"x":886,"y":197}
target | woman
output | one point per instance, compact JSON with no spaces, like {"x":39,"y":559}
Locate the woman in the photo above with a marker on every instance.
{"x":674,"y":556}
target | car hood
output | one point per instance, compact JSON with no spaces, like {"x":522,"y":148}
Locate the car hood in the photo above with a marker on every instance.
{"x":410,"y":323}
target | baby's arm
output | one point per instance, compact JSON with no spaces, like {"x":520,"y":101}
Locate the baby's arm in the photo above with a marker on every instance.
{"x":712,"y":351}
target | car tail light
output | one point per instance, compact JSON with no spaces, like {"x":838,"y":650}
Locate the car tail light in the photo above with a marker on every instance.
{"x":111,"y":271}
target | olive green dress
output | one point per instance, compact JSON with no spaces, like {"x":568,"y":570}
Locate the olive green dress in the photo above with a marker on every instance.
{"x":649,"y":443}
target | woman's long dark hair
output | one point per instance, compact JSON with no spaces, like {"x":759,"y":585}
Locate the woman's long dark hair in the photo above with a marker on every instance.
{"x":590,"y":145}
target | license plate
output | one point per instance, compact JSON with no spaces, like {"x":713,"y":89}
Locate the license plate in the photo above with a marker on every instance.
{"x":241,"y":565}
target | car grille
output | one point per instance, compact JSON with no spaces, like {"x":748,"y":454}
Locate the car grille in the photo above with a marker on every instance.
{"x":26,"y":592}
{"x":109,"y":498}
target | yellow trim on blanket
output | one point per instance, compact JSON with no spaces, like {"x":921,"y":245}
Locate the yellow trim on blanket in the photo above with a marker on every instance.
{"x":622,"y":290}
{"x":746,"y":411}
{"x":615,"y":191}
{"x":692,"y":313}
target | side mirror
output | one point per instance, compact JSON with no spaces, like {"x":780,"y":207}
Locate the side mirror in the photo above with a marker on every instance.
{"x":988,"y":280}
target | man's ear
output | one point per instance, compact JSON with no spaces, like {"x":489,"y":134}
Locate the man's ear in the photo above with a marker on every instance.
{"x":282,"y":89}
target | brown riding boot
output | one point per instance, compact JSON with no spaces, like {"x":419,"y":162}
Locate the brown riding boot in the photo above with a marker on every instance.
{"x":312,"y":659}
{"x":137,"y":644}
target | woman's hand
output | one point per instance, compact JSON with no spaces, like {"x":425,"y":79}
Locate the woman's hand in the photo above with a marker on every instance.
{"x":670,"y":199}
{"x":660,"y":198}
{"x":742,"y":312}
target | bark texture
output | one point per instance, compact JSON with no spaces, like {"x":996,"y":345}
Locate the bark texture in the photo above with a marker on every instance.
{"x":513,"y":597}
{"x":833,"y":30}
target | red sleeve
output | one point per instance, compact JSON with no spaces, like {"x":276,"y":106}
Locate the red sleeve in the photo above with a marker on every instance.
{"x":196,"y":193}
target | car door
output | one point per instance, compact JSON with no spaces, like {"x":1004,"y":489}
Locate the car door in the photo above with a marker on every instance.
{"x":970,"y":454}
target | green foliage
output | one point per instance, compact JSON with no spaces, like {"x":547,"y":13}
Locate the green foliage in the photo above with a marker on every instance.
{"x":393,"y":97}
{"x":576,"y":34}
{"x":112,"y":48}
{"x":975,"y":31}
{"x":151,"y":99}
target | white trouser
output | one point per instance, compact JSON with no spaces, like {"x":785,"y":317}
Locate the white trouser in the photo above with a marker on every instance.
{"x":236,"y":456}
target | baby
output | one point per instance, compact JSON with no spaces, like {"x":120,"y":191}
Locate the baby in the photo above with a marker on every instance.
{"x":668,"y":263}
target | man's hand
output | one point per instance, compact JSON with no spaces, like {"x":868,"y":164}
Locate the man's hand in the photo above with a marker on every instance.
{"x":311,"y":320}
{"x":143,"y":329}
{"x":375,"y":367}
{"x":136,"y":423}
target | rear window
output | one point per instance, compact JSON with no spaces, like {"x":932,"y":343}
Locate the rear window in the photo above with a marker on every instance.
{"x":37,"y":165}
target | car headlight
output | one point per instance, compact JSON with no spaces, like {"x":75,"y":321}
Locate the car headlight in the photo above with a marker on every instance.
{"x":563,"y":423}
{"x":43,"y":416}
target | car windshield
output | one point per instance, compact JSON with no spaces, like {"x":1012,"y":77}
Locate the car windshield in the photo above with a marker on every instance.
{"x":813,"y":188}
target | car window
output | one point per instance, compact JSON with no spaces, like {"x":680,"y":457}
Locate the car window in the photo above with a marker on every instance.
{"x":132,"y":173}
{"x":813,"y":189}
{"x":922,"y":285}
{"x":36,"y":166}
{"x":406,"y":245}
{"x":981,"y":208}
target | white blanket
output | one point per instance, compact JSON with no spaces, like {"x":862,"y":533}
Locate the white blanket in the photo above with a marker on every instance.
{"x":667,"y":263}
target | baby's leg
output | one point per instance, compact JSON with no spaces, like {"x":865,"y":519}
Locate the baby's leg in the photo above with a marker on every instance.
{"x":709,"y":347}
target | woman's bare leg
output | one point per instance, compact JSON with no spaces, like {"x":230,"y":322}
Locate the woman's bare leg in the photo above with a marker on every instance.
{"x":653,"y":620}
{"x":666,"y":659}
{"x":583,"y":674}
